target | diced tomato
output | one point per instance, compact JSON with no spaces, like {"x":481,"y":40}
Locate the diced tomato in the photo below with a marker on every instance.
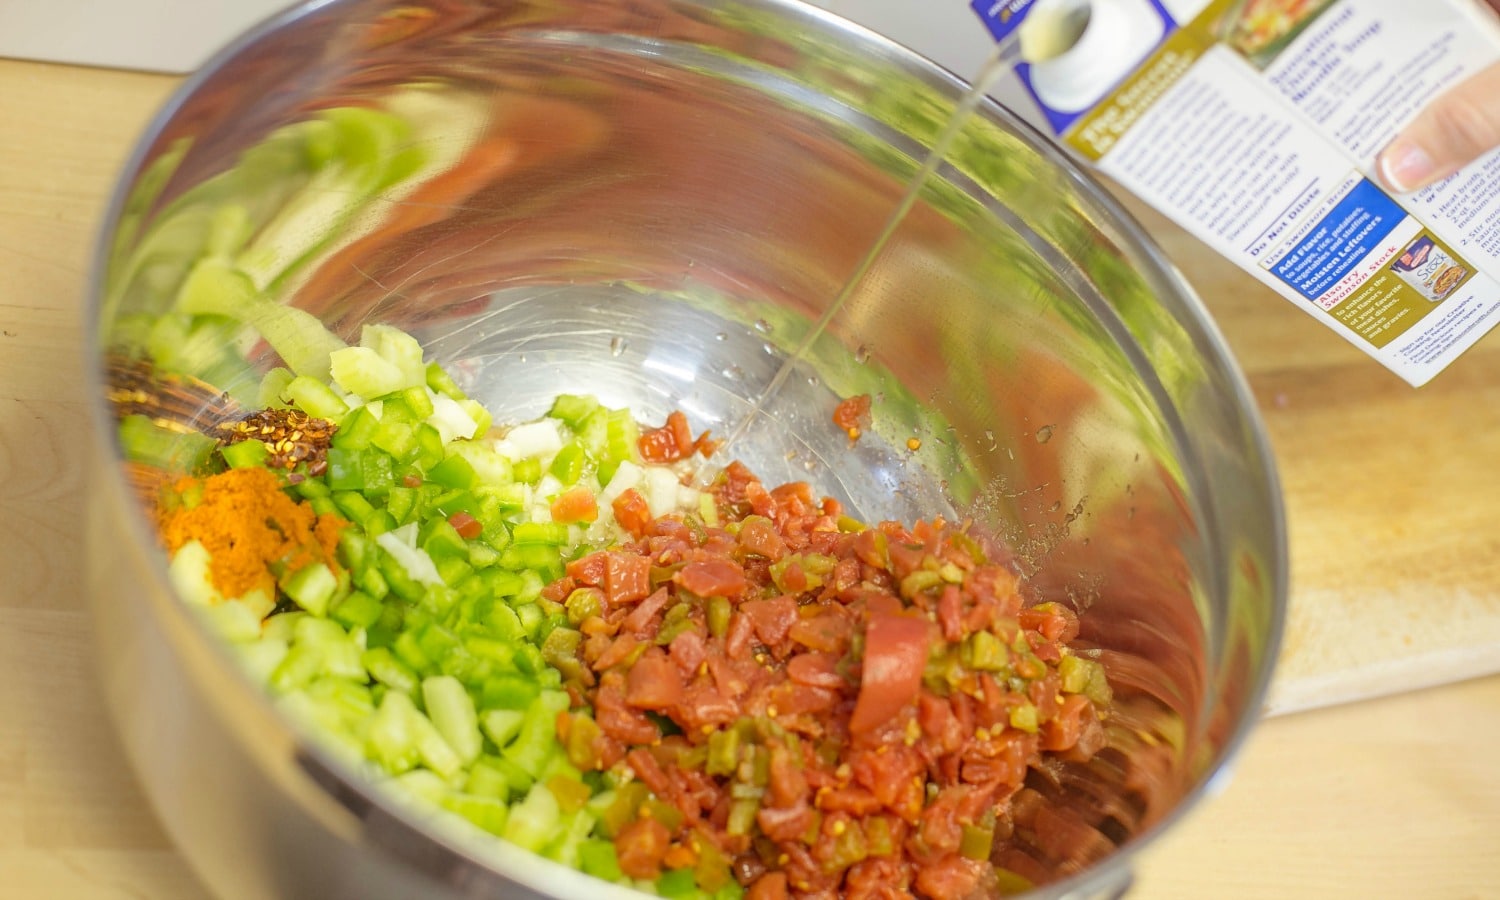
{"x":791,"y":699}
{"x":712,"y":578}
{"x":758,"y":536}
{"x":881,"y":878}
{"x":559,"y":590}
{"x":788,"y":784}
{"x":669,"y":443}
{"x":827,"y":631}
{"x":648,"y":769}
{"x":466,"y":525}
{"x":688,"y":650}
{"x":851,"y":414}
{"x":589,"y":570}
{"x":1055,"y":621}
{"x":702,"y":704}
{"x":772,"y":618}
{"x":815,"y":670}
{"x":632,"y":513}
{"x":640,"y":846}
{"x":658,"y":446}
{"x":950,"y":613}
{"x":1062,"y":730}
{"x":574,"y":505}
{"x":853,"y":800}
{"x":617,"y":720}
{"x":643,"y":619}
{"x":895,"y":655}
{"x":939,"y":727}
{"x":940,"y":828}
{"x":618,"y":651}
{"x":627,"y":577}
{"x":677,"y":423}
{"x":905,"y":558}
{"x":894,"y":777}
{"x":653,"y":682}
{"x":950,"y":878}
{"x":737,"y":640}
{"x":770,"y":886}
{"x":785,"y":823}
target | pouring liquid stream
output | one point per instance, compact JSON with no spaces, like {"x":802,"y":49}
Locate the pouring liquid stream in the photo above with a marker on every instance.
{"x":1041,"y":37}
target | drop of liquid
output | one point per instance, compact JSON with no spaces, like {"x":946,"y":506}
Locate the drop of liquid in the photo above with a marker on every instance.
{"x":521,"y":357}
{"x":1044,"y":434}
{"x":721,"y":336}
{"x":617,"y":345}
{"x":813,"y":380}
{"x":769,"y":348}
{"x":1056,"y":505}
{"x":733,"y":373}
{"x":762,"y":326}
{"x":862,"y":354}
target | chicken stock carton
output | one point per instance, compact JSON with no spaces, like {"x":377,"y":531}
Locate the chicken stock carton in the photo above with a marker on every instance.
{"x":1255,"y":125}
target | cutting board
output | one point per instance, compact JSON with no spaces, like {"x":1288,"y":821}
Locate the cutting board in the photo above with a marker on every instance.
{"x":1392,"y":494}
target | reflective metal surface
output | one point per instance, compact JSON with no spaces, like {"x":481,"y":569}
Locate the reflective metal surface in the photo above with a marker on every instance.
{"x":650,"y":200}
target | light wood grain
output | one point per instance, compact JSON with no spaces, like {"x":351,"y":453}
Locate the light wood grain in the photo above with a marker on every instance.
{"x":1392,"y":498}
{"x":1395,"y":520}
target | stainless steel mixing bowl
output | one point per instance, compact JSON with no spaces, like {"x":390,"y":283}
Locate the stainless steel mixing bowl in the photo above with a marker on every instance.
{"x":650,"y":200}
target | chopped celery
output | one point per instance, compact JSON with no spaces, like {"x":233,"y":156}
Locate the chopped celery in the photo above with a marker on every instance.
{"x":245,"y":454}
{"x":357,"y":429}
{"x":142,"y":440}
{"x":597,"y":858}
{"x":188,"y":573}
{"x":453,"y":472}
{"x":442,"y":383}
{"x":312,"y":587}
{"x":216,"y":287}
{"x":272,"y":385}
{"x":386,"y":669}
{"x":572,"y":408}
{"x":502,"y":725}
{"x":314,"y":398}
{"x":538,"y":736}
{"x":533,"y":822}
{"x":453,"y":420}
{"x":489,"y":813}
{"x":363,"y":372}
{"x":397,"y":348}
{"x":452,"y":713}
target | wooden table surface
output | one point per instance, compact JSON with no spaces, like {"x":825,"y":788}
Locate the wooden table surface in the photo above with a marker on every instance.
{"x":1391,"y":493}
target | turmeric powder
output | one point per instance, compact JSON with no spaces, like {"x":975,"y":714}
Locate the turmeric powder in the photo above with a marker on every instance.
{"x":251,"y":530}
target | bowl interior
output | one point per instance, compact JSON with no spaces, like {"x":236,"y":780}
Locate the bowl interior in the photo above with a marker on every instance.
{"x":652,"y":202}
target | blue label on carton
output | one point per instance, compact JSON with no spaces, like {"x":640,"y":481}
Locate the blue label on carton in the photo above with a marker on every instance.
{"x":1338,"y":243}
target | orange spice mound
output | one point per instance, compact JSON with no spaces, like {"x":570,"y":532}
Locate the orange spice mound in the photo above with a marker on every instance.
{"x":249,"y":525}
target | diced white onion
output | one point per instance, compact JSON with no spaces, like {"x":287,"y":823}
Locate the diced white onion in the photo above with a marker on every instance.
{"x":540,"y":438}
{"x":416,"y":562}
